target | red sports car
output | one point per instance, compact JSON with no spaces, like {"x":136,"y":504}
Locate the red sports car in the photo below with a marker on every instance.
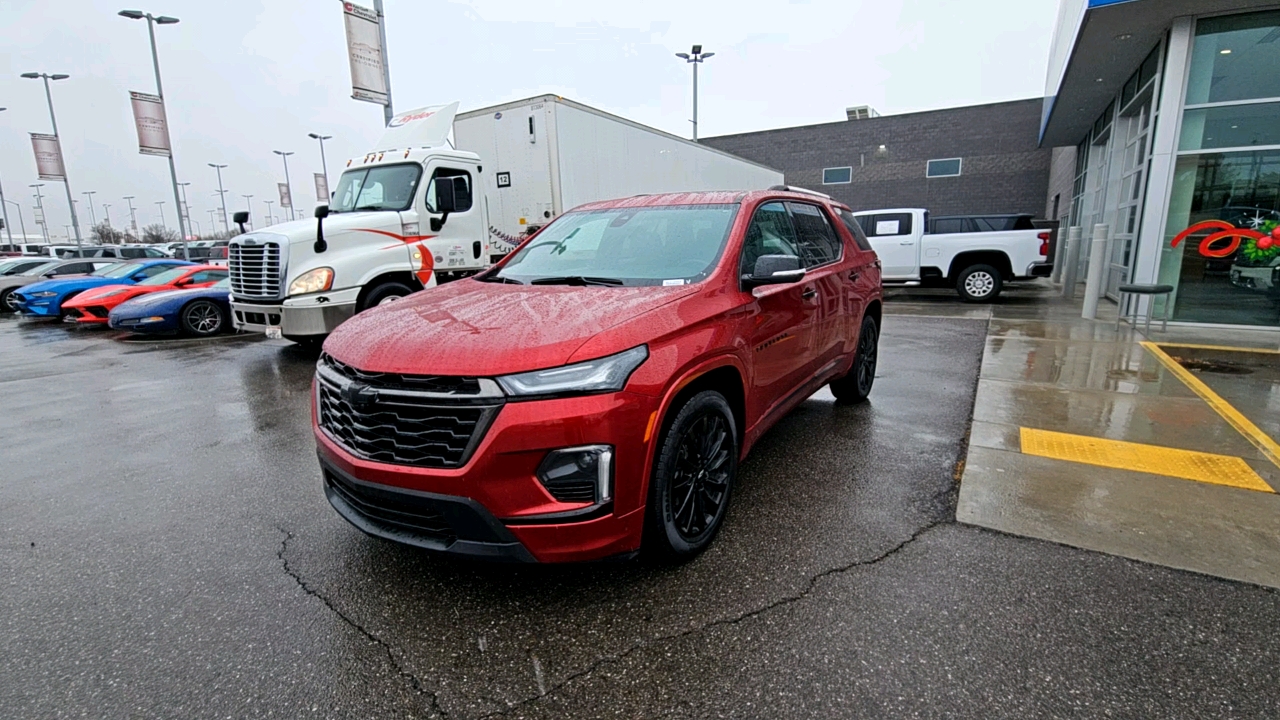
{"x":93,"y":306}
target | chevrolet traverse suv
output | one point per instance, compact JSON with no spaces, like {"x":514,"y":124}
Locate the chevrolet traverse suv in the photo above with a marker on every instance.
{"x":595,"y":391}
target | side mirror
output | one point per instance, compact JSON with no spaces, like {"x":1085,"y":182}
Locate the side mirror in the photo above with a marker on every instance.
{"x":450,"y":191}
{"x":322,"y":211}
{"x":240,"y":218}
{"x":774,"y":270}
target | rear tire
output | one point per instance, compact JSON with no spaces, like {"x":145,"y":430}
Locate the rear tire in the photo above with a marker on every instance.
{"x":692,"y":478}
{"x":202,"y":318}
{"x":387,"y":292}
{"x":854,"y":387}
{"x":979,"y":283}
{"x":6,"y":301}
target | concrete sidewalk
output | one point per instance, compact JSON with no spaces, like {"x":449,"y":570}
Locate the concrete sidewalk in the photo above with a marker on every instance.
{"x":1158,"y":448}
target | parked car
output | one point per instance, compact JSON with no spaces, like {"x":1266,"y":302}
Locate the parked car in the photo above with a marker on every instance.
{"x":596,"y":389}
{"x":1262,"y":278}
{"x":94,"y":306}
{"x":976,"y":263}
{"x":59,"y":251}
{"x":200,"y":312}
{"x":21,"y":248}
{"x":47,"y":270}
{"x":19,"y":265}
{"x":44,"y":299}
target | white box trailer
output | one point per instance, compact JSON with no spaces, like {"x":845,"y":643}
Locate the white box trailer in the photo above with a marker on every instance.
{"x":546,"y":155}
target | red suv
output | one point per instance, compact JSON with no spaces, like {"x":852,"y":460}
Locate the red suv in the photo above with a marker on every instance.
{"x":598,"y":387}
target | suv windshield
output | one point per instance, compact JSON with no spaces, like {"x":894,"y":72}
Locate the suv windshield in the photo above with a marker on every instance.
{"x":388,"y":187}
{"x":116,"y":270}
{"x":165,"y":278}
{"x":669,"y":245}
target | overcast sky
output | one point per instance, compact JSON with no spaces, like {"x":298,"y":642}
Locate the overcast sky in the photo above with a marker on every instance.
{"x":245,"y":77}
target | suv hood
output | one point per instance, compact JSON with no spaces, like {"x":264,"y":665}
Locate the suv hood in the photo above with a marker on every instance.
{"x":474,"y":328}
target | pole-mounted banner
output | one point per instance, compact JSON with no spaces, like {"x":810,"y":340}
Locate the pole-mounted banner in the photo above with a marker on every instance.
{"x":48,"y":157}
{"x":153,"y":127}
{"x":322,"y":189}
{"x":285,"y":200}
{"x":366,"y":54}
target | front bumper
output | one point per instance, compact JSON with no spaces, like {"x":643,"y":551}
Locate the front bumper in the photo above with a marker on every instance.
{"x":40,"y":307}
{"x":293,"y":320}
{"x":499,"y":484}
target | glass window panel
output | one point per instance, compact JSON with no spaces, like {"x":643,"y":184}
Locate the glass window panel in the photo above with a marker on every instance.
{"x":943,"y":168}
{"x":837,"y":176}
{"x":1235,"y":58}
{"x":1231,"y":126}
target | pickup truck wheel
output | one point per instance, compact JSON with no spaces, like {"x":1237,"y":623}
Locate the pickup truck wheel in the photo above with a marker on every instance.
{"x":979,"y":283}
{"x":856,"y":385}
{"x":385,"y":293}
{"x":692,"y":479}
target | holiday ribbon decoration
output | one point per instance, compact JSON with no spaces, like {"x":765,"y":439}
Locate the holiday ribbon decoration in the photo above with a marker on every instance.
{"x":1256,"y":241}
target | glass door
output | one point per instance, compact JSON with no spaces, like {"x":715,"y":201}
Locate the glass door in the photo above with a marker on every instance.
{"x":1135,"y":128}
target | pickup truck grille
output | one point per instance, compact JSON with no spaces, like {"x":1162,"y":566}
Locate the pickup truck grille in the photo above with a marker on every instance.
{"x":422,"y":421}
{"x":255,"y":270}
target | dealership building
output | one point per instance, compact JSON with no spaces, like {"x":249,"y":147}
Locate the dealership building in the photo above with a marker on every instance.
{"x":1174,"y":109}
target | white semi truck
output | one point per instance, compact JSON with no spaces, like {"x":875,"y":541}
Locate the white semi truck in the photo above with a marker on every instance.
{"x":418,"y":210}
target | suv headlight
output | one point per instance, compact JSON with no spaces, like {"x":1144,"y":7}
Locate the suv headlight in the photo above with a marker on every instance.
{"x":312,"y":281}
{"x":606,"y":374}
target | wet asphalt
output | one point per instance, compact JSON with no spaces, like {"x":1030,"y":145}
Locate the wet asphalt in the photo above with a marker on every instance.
{"x":166,"y":551}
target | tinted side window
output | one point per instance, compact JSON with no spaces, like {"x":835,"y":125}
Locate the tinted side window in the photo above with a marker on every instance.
{"x":770,"y":233}
{"x":885,"y":224}
{"x":154,"y":270}
{"x":854,"y":227}
{"x":464,"y":201}
{"x":818,"y":243}
{"x":74,"y":268}
{"x":206,"y":276}
{"x":945,"y":226}
{"x":132,"y":253}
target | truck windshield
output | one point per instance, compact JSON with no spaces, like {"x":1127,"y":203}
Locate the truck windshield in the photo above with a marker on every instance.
{"x":386,"y":187}
{"x":670,"y":245}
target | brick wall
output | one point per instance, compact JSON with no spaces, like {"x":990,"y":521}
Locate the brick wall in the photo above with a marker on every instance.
{"x":1003,"y":169}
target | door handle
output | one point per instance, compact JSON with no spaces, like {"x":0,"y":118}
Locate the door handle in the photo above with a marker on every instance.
{"x":809,"y":293}
{"x":854,"y":275}
{"x":908,"y":242}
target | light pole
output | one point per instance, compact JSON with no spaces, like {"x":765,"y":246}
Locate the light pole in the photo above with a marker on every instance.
{"x":54,"y":121}
{"x":695,"y":58}
{"x":248,"y":205}
{"x":213,"y":220}
{"x":152,"y":21}
{"x":4,"y":209}
{"x":162,"y":223}
{"x":222,"y":194}
{"x":133,"y":217}
{"x":21,"y":223}
{"x":269,"y":203}
{"x":44,"y":219}
{"x":324,"y":165}
{"x":92,"y":217}
{"x":285,"y":156}
{"x":107,"y":210}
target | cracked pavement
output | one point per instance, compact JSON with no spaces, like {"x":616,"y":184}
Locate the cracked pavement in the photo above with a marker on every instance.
{"x":168,"y":552}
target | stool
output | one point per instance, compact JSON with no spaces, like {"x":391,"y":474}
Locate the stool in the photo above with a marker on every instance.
{"x":1152,"y":290}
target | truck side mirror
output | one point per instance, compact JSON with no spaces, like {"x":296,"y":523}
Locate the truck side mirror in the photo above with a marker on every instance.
{"x":240,"y":218}
{"x":322,"y":212}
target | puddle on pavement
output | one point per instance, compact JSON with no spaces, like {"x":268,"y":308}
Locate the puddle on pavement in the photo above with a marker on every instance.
{"x":1212,"y":366}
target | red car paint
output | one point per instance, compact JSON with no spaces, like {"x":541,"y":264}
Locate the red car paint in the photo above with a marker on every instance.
{"x":93,"y":306}
{"x":780,"y":344}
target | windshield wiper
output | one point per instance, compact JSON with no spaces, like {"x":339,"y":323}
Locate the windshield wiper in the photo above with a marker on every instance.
{"x":577,"y":280}
{"x":495,"y":278}
{"x":368,"y":207}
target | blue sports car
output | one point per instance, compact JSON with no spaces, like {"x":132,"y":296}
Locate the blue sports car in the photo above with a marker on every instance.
{"x":200,"y":312}
{"x":44,"y":299}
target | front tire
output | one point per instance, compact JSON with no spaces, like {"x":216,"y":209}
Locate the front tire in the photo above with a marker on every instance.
{"x":202,"y":318}
{"x":386,"y":293}
{"x":692,"y":478}
{"x":979,"y":283}
{"x":8,"y":301}
{"x":854,"y":387}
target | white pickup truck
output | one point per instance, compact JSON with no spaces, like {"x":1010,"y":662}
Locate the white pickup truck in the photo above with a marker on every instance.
{"x":975,"y":254}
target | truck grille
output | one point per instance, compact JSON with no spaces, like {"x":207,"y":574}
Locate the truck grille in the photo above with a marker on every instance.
{"x":423,"y":421}
{"x":255,"y":270}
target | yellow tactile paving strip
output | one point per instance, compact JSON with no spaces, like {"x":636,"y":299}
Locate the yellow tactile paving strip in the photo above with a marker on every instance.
{"x":1270,"y":449}
{"x":1153,"y":459}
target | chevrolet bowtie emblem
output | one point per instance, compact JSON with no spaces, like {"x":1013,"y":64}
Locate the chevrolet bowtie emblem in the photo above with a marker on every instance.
{"x":360,"y":396}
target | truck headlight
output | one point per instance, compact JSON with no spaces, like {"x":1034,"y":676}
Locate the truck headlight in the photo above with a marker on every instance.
{"x":312,"y":281}
{"x":606,"y":374}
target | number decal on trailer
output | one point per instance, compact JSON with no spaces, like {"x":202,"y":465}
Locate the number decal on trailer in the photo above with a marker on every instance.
{"x":504,"y":179}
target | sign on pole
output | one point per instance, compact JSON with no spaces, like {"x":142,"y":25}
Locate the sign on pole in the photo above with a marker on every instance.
{"x":322,"y":189}
{"x":153,"y":128}
{"x":366,"y":54}
{"x":39,"y":216}
{"x":48,"y":157}
{"x":285,"y":200}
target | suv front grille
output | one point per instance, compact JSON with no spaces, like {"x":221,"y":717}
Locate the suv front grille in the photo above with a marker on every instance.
{"x":255,"y":270}
{"x":423,"y":421}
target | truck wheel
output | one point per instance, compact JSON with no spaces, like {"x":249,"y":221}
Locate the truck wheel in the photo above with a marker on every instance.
{"x":385,"y":293}
{"x":692,"y":478}
{"x":979,"y":283}
{"x":854,"y":387}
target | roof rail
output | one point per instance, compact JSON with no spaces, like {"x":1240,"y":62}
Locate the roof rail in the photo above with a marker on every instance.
{"x":789,"y":188}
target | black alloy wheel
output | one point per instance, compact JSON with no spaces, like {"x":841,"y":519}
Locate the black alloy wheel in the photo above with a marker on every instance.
{"x":203,"y":318}
{"x":856,"y":385}
{"x":693,"y":478}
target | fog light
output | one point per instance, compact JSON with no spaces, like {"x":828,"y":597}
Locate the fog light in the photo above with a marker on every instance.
{"x":580,"y":474}
{"x":153,"y":318}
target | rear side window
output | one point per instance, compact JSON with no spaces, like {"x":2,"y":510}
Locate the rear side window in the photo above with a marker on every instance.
{"x":885,"y":224}
{"x":852,"y":225}
{"x":205,"y":276}
{"x":818,"y":243}
{"x":133,"y":253}
{"x":944,"y":226}
{"x":74,"y":268}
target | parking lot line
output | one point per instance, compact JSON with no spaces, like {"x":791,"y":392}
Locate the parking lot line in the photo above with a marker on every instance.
{"x":1270,"y":449}
{"x":1152,"y":459}
{"x":1223,"y":348}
